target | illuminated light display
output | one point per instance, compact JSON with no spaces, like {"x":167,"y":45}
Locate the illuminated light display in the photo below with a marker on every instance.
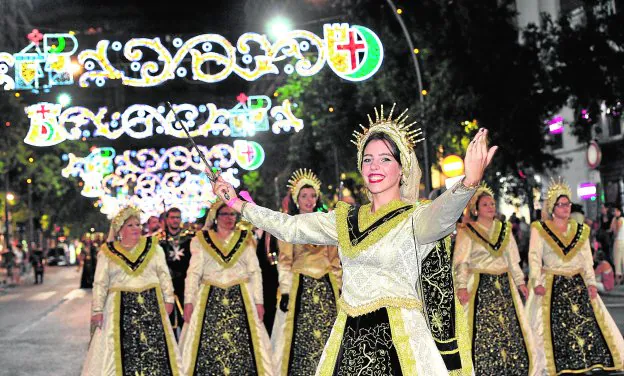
{"x":556,"y":125}
{"x":353,"y":52}
{"x":158,"y":179}
{"x":587,"y":191}
{"x":43,"y":63}
{"x":51,"y":125}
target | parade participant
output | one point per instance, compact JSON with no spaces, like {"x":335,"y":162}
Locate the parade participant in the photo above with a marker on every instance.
{"x":176,"y":242}
{"x":488,"y":277}
{"x":152,"y":226}
{"x":88,"y":261}
{"x":384,"y":311}
{"x":267,"y":253}
{"x":225,"y":334}
{"x":617,"y":228}
{"x":571,"y":325}
{"x":132,"y":296}
{"x":310,"y":277}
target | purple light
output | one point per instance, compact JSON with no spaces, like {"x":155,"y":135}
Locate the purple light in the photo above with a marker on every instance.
{"x":555,"y":125}
{"x":586,"y":191}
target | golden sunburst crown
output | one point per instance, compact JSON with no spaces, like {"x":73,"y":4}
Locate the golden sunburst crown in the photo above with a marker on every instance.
{"x":396,"y":127}
{"x":556,"y":189}
{"x":123,"y":214}
{"x":481,"y":190}
{"x":301,"y":178}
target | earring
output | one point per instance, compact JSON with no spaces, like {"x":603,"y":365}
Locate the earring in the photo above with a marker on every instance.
{"x":120,"y":237}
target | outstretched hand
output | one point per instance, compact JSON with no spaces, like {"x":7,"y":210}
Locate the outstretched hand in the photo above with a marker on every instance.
{"x":478,"y":157}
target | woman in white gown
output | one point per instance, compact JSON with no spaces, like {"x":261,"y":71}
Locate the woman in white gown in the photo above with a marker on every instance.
{"x":571,"y":325}
{"x":132,"y":300}
{"x":488,"y":277}
{"x":383,"y":315}
{"x":223,"y":302}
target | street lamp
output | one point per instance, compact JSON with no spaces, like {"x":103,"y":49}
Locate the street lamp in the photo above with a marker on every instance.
{"x":278,"y":26}
{"x":9,"y":198}
{"x":421,"y":92}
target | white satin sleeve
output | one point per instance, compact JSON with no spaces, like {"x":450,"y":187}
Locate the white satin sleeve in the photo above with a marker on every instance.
{"x":512,"y":256}
{"x":461,"y":258}
{"x":588,"y":265}
{"x":536,"y":250}
{"x":194,"y":272}
{"x":101,"y":282}
{"x":255,"y":274}
{"x":313,"y":228}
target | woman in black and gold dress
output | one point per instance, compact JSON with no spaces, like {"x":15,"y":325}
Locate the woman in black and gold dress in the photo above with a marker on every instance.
{"x":132,"y":300}
{"x":225,"y":335}
{"x":309,"y":281}
{"x":487,"y":278}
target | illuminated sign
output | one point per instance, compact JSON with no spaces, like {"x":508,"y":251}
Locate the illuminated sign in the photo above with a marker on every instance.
{"x":353,"y":52}
{"x":556,"y":125}
{"x":51,"y":125}
{"x":586,"y":191}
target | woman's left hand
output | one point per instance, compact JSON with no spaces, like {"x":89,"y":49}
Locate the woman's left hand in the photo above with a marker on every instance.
{"x":478,"y":157}
{"x":593,"y":292}
{"x":169,"y":308}
{"x":524,"y":290}
{"x":260,"y":309}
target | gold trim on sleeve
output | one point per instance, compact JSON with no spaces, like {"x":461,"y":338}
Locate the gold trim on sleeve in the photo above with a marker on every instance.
{"x":396,"y":302}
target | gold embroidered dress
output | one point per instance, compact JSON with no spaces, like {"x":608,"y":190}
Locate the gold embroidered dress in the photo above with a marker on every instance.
{"x":312,"y":276}
{"x":382,"y":254}
{"x":574,"y":333}
{"x":487,"y":264}
{"x":224,"y":284}
{"x":130,"y":288}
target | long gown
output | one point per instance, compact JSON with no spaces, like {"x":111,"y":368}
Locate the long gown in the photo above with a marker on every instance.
{"x":225,"y":335}
{"x":487,"y":264}
{"x":573,"y":332}
{"x":312,"y":277}
{"x":381,"y":327}
{"x":130,"y":289}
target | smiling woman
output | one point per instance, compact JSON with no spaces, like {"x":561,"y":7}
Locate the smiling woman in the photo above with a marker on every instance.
{"x":389,"y":318}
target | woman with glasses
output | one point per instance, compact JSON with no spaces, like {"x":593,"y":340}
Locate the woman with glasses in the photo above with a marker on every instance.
{"x":570,"y":323}
{"x":489,"y":282}
{"x":223,"y":296}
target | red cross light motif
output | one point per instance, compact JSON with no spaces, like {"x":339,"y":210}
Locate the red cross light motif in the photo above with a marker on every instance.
{"x":42,"y":111}
{"x":353,"y":47}
{"x":242,"y":98}
{"x":249,"y":153}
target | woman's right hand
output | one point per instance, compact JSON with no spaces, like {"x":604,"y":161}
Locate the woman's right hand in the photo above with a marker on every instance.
{"x":222,"y":188}
{"x":188,"y":312}
{"x":463,"y":296}
{"x":97,"y":319}
{"x":539,"y":290}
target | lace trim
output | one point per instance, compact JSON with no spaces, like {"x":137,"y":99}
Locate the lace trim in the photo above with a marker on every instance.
{"x":396,"y":302}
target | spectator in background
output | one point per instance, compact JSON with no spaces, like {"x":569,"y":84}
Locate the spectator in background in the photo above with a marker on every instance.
{"x":37,"y":262}
{"x":604,"y":234}
{"x":17,"y":265}
{"x":523,"y":241}
{"x":604,"y":273}
{"x":152,"y":225}
{"x":618,"y":246}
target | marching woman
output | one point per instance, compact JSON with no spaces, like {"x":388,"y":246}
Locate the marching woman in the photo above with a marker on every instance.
{"x":223,"y":301}
{"x":381,"y":327}
{"x":488,"y":277}
{"x":570,"y":323}
{"x":309,"y":281}
{"x":132,"y":300}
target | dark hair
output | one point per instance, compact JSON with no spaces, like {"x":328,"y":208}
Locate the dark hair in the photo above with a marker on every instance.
{"x":473,"y":215}
{"x":392,"y":146}
{"x":172,"y":210}
{"x":292,"y":205}
{"x":214,"y":224}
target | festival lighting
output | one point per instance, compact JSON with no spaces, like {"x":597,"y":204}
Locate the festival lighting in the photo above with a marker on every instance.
{"x":556,"y":125}
{"x":278,"y":26}
{"x":64,"y":99}
{"x":152,"y":178}
{"x":353,"y":52}
{"x":51,"y":125}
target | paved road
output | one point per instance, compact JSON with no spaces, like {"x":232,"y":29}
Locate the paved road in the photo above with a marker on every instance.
{"x":44,"y":329}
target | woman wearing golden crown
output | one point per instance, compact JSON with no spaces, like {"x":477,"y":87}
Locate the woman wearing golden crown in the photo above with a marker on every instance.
{"x":309,"y":280}
{"x":488,"y":277}
{"x":225,"y":335}
{"x":384,"y":311}
{"x":132,"y":300}
{"x":571,"y":325}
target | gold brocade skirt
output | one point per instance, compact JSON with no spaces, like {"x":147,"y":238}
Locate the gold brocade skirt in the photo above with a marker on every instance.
{"x":300,"y":334}
{"x":225,"y":335}
{"x":576,"y":332}
{"x":136,"y":336}
{"x":500,"y":335}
